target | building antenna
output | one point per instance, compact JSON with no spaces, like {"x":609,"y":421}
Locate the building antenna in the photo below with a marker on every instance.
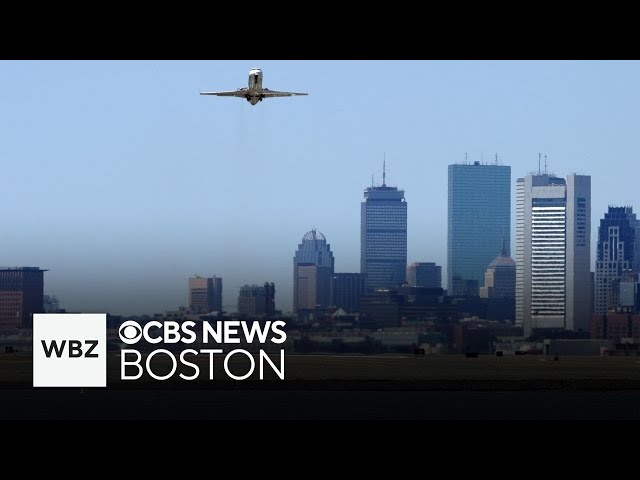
{"x":539,"y":155}
{"x":372,"y":180}
{"x":482,"y":158}
{"x":496,"y":158}
{"x":384,"y":170}
{"x":466,"y":159}
{"x":545,"y":163}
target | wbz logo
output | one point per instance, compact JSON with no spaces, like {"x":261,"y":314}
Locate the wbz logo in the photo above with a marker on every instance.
{"x":69,"y":350}
{"x":75,"y":348}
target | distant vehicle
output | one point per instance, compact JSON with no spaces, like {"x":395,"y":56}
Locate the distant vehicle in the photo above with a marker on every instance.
{"x":254,"y":93}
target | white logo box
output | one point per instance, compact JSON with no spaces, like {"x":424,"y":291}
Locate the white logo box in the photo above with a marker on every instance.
{"x":76,"y":344}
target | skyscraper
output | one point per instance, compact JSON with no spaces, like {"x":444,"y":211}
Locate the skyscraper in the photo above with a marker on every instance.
{"x":251,"y":301}
{"x":217,"y":294}
{"x":479,"y":210}
{"x":312,"y":286}
{"x":269,"y":299}
{"x":500,"y":288}
{"x":618,"y":250}
{"x":205,"y":294}
{"x":500,"y":277}
{"x":553,"y":280}
{"x":21,"y":295}
{"x":424,"y":274}
{"x":346,"y":290}
{"x":383,"y":236}
{"x":257,"y":300}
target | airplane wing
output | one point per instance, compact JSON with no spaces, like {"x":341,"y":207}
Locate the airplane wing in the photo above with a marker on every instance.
{"x":273,"y":93}
{"x":241,"y":92}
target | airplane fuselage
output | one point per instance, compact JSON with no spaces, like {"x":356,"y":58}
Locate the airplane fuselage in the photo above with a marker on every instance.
{"x":254,"y":96}
{"x":254,"y":92}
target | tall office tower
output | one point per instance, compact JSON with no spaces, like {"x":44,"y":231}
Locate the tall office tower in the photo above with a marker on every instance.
{"x":205,"y":294}
{"x":500,"y":277}
{"x":251,"y":301}
{"x":424,"y":274}
{"x":553,"y":280}
{"x":346,"y":290}
{"x":479,"y":209}
{"x":520,"y":252}
{"x":217,"y":294}
{"x":21,"y":295}
{"x":618,"y":250}
{"x":312,"y":287}
{"x":269,"y":299}
{"x":383,"y":236}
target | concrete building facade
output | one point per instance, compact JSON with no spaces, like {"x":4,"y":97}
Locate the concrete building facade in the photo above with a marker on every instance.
{"x":553,"y":279}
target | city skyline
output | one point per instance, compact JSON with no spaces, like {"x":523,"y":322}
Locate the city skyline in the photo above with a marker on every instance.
{"x":133,"y":190}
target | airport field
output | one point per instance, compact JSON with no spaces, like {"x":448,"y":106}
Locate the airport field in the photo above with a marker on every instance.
{"x":325,"y":387}
{"x":380,"y":372}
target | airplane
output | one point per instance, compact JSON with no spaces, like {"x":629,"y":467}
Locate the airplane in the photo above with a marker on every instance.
{"x":254,"y":93}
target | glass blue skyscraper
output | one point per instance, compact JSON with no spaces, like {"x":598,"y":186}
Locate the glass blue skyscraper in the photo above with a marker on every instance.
{"x":314,"y":249}
{"x":618,"y":250}
{"x":479,"y":210}
{"x":383,"y":236}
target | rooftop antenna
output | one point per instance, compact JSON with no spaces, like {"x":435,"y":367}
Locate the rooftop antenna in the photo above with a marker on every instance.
{"x":545,"y":163}
{"x":372,"y":180}
{"x":466,"y":159}
{"x":496,"y":158}
{"x":482,"y":157}
{"x":384,"y":170}
{"x":539,"y":155}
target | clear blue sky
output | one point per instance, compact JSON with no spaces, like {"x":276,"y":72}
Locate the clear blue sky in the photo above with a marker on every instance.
{"x":123,"y":181}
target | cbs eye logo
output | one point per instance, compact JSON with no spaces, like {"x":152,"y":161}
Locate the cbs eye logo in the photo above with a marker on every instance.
{"x":130,"y":332}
